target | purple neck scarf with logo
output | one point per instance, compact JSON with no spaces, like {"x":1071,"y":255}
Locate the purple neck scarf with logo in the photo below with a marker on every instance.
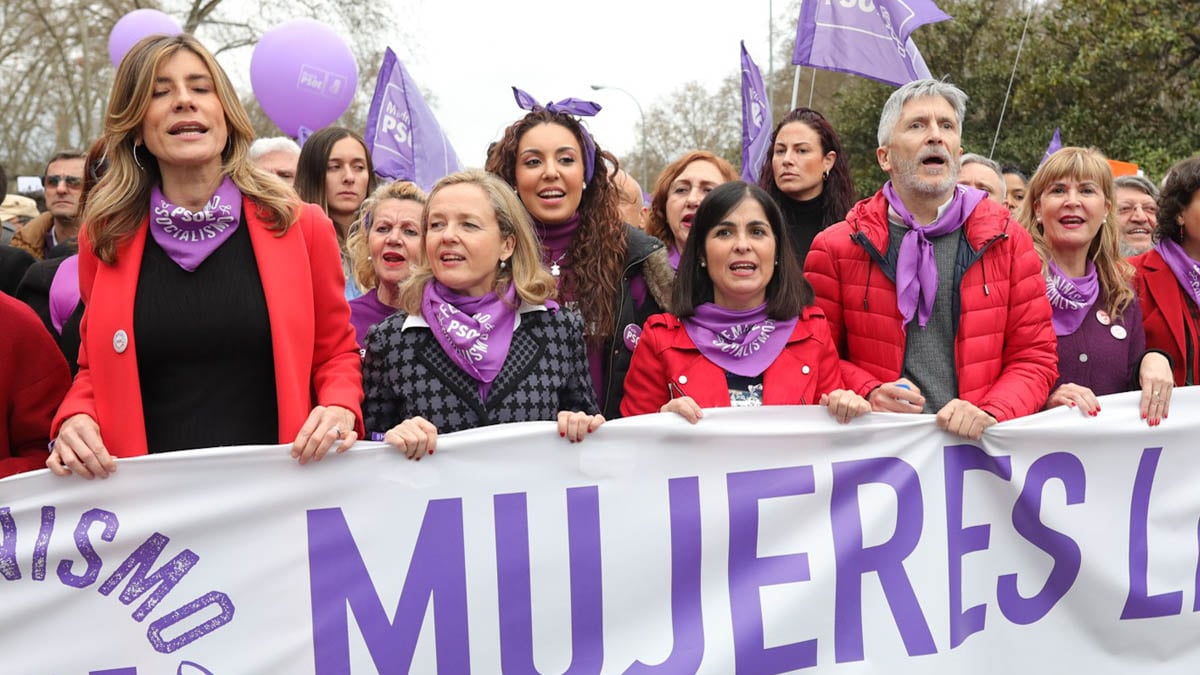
{"x":1070,"y":297}
{"x":64,"y":292}
{"x":474,"y":332}
{"x":743,"y":342}
{"x":189,"y":238}
{"x":916,"y":267}
{"x":1186,"y":270}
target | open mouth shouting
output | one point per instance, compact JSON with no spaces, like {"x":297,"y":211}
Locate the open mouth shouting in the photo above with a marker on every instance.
{"x":187,"y":129}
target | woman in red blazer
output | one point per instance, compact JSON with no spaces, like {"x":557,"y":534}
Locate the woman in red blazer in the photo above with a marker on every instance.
{"x":215,"y":310}
{"x":745,"y":331}
{"x":1168,"y":275}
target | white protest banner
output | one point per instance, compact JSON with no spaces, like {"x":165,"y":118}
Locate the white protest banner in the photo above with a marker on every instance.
{"x":757,"y":541}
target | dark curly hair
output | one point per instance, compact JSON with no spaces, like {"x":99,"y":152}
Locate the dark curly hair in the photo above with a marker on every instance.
{"x":838,"y":189}
{"x":1183,"y":180}
{"x":597,"y":251}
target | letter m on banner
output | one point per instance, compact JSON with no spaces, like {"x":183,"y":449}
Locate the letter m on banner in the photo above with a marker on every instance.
{"x":870,"y":38}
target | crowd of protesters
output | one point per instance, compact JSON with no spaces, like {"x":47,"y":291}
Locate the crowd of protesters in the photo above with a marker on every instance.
{"x":188,"y":286}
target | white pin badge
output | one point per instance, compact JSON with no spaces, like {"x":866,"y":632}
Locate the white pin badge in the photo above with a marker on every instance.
{"x":1118,"y":332}
{"x":1102,"y":317}
{"x":120,"y":341}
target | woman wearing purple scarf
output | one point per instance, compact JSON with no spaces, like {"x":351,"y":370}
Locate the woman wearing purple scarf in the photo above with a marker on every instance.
{"x":215,"y":309}
{"x":680,"y":188}
{"x":615,"y":275}
{"x":1069,"y":211}
{"x":745,"y":332}
{"x":477,"y":341}
{"x":1168,"y":275}
{"x":384,"y":245}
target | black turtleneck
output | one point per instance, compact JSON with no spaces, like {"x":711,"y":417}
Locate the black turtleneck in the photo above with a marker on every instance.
{"x":804,"y":219}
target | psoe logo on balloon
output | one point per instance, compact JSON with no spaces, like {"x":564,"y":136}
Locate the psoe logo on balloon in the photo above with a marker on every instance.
{"x":320,"y":81}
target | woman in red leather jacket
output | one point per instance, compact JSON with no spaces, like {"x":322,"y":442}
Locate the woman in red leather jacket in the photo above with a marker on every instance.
{"x":745,"y":332}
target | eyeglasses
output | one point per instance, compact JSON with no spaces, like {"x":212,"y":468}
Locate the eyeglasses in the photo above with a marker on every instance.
{"x":71,"y":181}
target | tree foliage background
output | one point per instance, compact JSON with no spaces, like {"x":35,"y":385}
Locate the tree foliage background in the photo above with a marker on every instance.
{"x":1119,"y":76}
{"x":55,"y":71}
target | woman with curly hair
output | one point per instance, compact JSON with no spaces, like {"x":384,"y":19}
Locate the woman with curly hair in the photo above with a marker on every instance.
{"x":615,"y":275}
{"x":677,"y":194}
{"x":807,"y":175}
{"x":384,"y":245}
{"x":1069,"y":209}
{"x":1168,"y":275}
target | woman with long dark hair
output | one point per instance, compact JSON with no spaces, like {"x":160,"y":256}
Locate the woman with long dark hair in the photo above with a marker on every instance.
{"x":335,"y":172}
{"x":807,"y":175}
{"x":614,"y":274}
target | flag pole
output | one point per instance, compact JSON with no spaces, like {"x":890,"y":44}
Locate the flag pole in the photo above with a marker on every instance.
{"x":1011,"y":77}
{"x":795,"y":88}
{"x":812,"y":85}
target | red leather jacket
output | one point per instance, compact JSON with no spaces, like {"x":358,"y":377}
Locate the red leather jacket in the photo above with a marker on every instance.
{"x":807,"y":368}
{"x":1005,"y":351}
{"x":1165,"y":314}
{"x":316,"y":358}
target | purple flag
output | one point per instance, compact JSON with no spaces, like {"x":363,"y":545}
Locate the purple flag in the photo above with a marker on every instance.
{"x":756,"y":119}
{"x":403,"y":137}
{"x":1055,"y":145}
{"x":865,"y":38}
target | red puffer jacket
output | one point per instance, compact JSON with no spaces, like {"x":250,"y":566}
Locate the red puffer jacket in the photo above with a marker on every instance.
{"x":1005,"y":352}
{"x":807,"y":368}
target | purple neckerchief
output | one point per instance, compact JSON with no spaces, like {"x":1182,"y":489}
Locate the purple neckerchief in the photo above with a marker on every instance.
{"x":189,"y":238}
{"x":474,"y":332}
{"x":673,"y":256}
{"x":64,"y":292}
{"x":1187,"y":270}
{"x":1070,"y":297}
{"x":569,"y":106}
{"x":916,"y":268}
{"x":743,"y":342}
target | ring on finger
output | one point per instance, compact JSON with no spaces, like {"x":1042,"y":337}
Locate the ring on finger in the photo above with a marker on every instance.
{"x":337,"y":431}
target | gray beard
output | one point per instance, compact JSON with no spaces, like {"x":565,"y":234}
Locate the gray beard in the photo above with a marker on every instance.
{"x":907,"y":175}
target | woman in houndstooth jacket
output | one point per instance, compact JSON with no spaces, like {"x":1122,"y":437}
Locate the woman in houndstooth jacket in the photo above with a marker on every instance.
{"x":477,"y":340}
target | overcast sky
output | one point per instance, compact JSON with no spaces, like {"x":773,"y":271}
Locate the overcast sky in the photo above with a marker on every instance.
{"x":470,"y":52}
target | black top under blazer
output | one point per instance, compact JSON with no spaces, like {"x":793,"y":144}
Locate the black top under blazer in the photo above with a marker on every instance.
{"x":406,"y":373}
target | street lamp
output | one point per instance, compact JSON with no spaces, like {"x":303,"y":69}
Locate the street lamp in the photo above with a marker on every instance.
{"x":645,"y":177}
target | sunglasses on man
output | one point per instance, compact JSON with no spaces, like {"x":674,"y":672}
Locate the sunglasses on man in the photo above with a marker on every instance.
{"x":71,"y":181}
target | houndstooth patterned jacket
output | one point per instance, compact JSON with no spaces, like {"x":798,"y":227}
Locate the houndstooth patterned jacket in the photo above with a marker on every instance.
{"x":406,"y":373}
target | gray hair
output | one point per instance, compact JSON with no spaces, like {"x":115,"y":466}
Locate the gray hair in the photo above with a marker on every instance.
{"x":1139,"y":183}
{"x":919,"y":89}
{"x":265,"y":146}
{"x":972,"y":158}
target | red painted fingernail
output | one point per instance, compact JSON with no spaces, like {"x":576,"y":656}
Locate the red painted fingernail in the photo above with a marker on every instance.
{"x":1072,"y":404}
{"x":1097,"y":408}
{"x":590,"y":430}
{"x":431,"y":451}
{"x":1143,"y":415}
{"x":562,"y":434}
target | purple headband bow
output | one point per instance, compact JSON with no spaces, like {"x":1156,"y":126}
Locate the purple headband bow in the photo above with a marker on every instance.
{"x":569,"y":106}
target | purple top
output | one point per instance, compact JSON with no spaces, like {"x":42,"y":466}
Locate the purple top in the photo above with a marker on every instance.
{"x":1097,"y":356}
{"x":365,"y":311}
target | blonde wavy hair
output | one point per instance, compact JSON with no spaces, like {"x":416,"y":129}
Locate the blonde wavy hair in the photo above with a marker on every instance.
{"x":1084,"y":164}
{"x":524,"y":270}
{"x":118,"y":204}
{"x":357,"y":247}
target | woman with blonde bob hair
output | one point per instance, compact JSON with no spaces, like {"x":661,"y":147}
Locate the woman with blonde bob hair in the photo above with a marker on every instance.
{"x":1069,"y":209}
{"x":477,"y":340}
{"x":384,"y":245}
{"x":215,"y":313}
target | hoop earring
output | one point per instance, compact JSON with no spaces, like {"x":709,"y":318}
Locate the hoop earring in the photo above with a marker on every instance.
{"x":135,"y":157}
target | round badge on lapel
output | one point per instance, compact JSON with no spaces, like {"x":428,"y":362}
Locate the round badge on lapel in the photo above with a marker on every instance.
{"x":1103,"y":317}
{"x":631,"y":335}
{"x":805,"y":370}
{"x":120,"y":341}
{"x":1118,"y":332}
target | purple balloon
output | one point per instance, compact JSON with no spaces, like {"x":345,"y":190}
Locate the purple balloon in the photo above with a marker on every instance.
{"x":303,"y":74}
{"x":136,"y":25}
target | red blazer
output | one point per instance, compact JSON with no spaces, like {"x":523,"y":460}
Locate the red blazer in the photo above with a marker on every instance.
{"x":807,"y":368}
{"x":1164,"y":312}
{"x":33,"y":380}
{"x":316,"y":359}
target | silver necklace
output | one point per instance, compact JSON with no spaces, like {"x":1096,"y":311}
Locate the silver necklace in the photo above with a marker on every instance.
{"x":555,"y":270}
